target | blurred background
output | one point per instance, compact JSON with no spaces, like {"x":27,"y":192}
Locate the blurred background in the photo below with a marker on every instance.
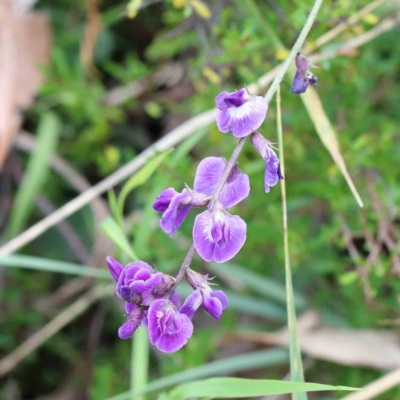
{"x":86,"y":86}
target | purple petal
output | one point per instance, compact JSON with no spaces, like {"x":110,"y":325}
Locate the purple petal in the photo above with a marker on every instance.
{"x":236,"y":99}
{"x":164,"y":199}
{"x":272,"y":172}
{"x":156,"y":311}
{"x":170,"y":343}
{"x":133,"y":268}
{"x":175,"y":299}
{"x":127,"y":329}
{"x":202,"y":239}
{"x":244,"y":119}
{"x":212,"y":304}
{"x":192,"y":303}
{"x":220,"y":101}
{"x":129,"y":307}
{"x":237,"y":238}
{"x":222,"y":297}
{"x":176,"y":213}
{"x":260,"y":144}
{"x":115,"y":268}
{"x":208,"y":175}
{"x":300,"y":83}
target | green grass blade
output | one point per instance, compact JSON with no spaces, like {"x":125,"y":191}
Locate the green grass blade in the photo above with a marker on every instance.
{"x":114,"y":232}
{"x":296,"y":366}
{"x":45,"y":264}
{"x":229,"y":365}
{"x":35,"y":175}
{"x":215,"y":388}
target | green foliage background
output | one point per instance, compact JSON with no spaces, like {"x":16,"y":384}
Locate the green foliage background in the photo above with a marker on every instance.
{"x":360,"y":93}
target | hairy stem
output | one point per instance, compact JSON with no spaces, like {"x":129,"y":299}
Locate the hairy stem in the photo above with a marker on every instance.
{"x":295,"y":49}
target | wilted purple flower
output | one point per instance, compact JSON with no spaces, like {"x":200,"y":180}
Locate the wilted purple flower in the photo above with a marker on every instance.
{"x":177,"y":206}
{"x":134,"y":317}
{"x":303,"y":77}
{"x":169,"y":330}
{"x":213,"y":301}
{"x":209,"y":174}
{"x":218,"y":235}
{"x":272,"y":165}
{"x":239,"y":112}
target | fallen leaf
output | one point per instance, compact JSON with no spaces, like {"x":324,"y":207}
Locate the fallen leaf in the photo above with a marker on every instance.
{"x":375,"y":348}
{"x":25,"y":40}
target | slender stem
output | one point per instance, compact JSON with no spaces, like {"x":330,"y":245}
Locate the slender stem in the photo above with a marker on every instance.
{"x":228,"y":168}
{"x":182,"y":271}
{"x":139,"y":362}
{"x":296,"y":368}
{"x":295,"y":49}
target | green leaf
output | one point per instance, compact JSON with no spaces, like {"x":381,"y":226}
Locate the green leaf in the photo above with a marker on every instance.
{"x":113,"y":203}
{"x":115,"y":233}
{"x":45,"y":264}
{"x":36,"y":172}
{"x":238,"y":387}
{"x":140,"y":178}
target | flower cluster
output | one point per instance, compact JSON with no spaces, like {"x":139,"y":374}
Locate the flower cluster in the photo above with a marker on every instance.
{"x":150,"y":297}
{"x":149,"y":301}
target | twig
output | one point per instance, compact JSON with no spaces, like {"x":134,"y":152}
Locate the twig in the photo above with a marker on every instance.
{"x":171,"y":139}
{"x":9,"y":362}
{"x":377,"y":387}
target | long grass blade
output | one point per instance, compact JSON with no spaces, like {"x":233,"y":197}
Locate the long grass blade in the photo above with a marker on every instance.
{"x":36,"y":172}
{"x":244,"y":362}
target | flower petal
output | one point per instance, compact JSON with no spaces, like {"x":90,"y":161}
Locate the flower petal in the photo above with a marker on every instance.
{"x":192,"y":303}
{"x":208,"y":174}
{"x":236,"y":188}
{"x":175,"y":299}
{"x":222,"y":297}
{"x":300,"y":83}
{"x":212,"y":304}
{"x":170,"y":343}
{"x":156,"y":311}
{"x":236,"y":240}
{"x":127,"y":329}
{"x":115,"y":268}
{"x":176,"y":213}
{"x":164,"y":199}
{"x":244,"y":119}
{"x":202,"y":239}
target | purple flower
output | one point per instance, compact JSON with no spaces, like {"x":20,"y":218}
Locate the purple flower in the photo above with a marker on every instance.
{"x":213,"y":301}
{"x":239,"y":112}
{"x":164,"y":199}
{"x":209,"y":174}
{"x":134,"y":317}
{"x":169,"y":330}
{"x":303,"y":77}
{"x":272,"y":165}
{"x":218,"y":235}
{"x":128,"y":276}
{"x":177,"y":206}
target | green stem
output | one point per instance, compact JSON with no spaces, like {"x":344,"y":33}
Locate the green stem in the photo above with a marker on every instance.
{"x":296,"y":368}
{"x":139,"y":362}
{"x":295,"y":49}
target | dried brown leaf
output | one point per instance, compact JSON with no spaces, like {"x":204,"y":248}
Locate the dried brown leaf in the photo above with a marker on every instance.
{"x":376,"y":348}
{"x":25,"y":41}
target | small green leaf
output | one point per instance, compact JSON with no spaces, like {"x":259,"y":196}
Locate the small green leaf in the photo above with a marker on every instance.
{"x":140,"y":178}
{"x":114,"y":232}
{"x":237,"y":387}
